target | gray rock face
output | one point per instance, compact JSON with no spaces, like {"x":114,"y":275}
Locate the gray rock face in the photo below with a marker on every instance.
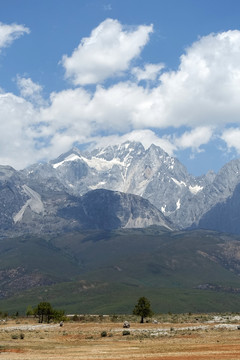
{"x":129,"y":168}
{"x":12,"y":196}
{"x":117,"y":186}
{"x":104,"y":209}
{"x":47,"y":207}
{"x":152,"y":174}
{"x":213,"y":196}
{"x":224,"y":216}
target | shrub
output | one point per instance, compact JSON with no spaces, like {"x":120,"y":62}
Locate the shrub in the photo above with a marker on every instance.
{"x":75,"y":318}
{"x":114,"y":318}
{"x":14,"y":336}
{"x":103,"y":334}
{"x":22,"y":336}
{"x":126,"y":332}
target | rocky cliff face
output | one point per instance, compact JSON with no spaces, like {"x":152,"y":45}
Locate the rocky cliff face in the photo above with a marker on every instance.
{"x":224,"y":216}
{"x":104,"y":209}
{"x":49,"y":210}
{"x":142,"y":187}
{"x":12,"y":196}
{"x":129,"y":168}
{"x":218,"y":201}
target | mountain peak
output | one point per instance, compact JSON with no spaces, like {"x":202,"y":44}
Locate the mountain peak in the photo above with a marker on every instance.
{"x":118,"y":151}
{"x":131,"y":169}
{"x":6,"y":172}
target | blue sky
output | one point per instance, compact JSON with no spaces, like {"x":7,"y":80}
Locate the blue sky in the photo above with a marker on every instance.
{"x":94,"y":72}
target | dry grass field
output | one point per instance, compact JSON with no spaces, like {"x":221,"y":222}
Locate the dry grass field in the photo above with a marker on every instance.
{"x":27,"y":340}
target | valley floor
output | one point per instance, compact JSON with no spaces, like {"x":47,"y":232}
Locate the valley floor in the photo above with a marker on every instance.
{"x":164,"y":341}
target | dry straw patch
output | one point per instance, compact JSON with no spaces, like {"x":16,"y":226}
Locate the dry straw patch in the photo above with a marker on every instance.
{"x":167,"y":341}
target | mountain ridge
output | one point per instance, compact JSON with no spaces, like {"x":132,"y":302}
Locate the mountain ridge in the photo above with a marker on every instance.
{"x":41,"y":192}
{"x":129,"y":168}
{"x":106,"y":271}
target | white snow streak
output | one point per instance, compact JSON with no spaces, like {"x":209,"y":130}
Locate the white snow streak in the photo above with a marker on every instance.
{"x":71,"y":157}
{"x":195,"y":189}
{"x":179,"y":183}
{"x":178,"y":204}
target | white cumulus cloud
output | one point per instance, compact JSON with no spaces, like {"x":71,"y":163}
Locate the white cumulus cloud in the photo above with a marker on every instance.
{"x":17,"y":134}
{"x":30,"y":90}
{"x":194,"y":138}
{"x":231,"y":137}
{"x":205,"y":88}
{"x":202,"y":93}
{"x":201,"y":98}
{"x":9,"y":33}
{"x":149,"y":73}
{"x":146,"y":137}
{"x":107,"y":52}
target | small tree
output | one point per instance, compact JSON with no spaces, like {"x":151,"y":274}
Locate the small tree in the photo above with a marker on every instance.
{"x":143,"y":308}
{"x":59,"y":315}
{"x":44,"y":311}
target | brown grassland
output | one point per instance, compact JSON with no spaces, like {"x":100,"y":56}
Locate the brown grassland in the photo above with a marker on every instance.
{"x":25,"y":339}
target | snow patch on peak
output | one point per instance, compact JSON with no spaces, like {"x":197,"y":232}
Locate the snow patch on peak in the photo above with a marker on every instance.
{"x":163,"y":209}
{"x":172,"y":163}
{"x":179,"y":183}
{"x":178,"y":204}
{"x":71,"y":157}
{"x":100,"y":185}
{"x":101,"y":164}
{"x":195,"y":189}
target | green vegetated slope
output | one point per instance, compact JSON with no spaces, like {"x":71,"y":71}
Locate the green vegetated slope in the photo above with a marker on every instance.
{"x":107,"y":271}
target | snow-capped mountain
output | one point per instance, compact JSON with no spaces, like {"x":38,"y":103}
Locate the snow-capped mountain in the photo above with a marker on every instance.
{"x":52,"y":196}
{"x":39,"y":203}
{"x":129,"y":168}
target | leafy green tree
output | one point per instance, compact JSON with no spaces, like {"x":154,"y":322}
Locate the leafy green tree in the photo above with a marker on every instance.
{"x":44,"y":311}
{"x":59,"y":315}
{"x":143,"y":308}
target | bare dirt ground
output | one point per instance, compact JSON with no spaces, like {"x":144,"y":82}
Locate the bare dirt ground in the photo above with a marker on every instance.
{"x":27,"y":340}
